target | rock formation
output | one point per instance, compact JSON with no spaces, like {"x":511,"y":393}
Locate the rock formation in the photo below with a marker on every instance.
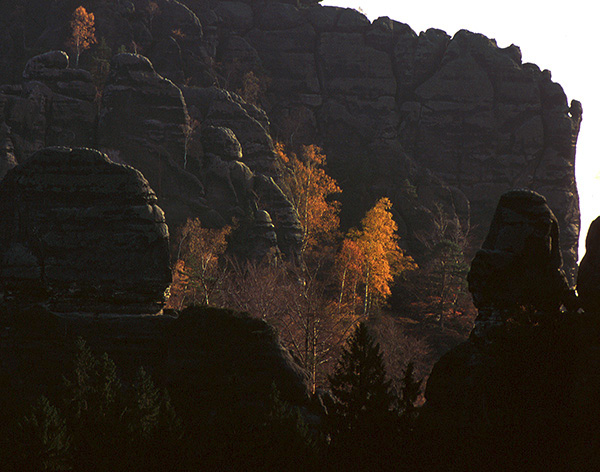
{"x":530,"y":365}
{"x":212,"y":361}
{"x":454,"y":122}
{"x":53,"y":106}
{"x":143,"y":122}
{"x":588,"y":276}
{"x":519,"y":264}
{"x":83,"y":234}
{"x":388,"y":105}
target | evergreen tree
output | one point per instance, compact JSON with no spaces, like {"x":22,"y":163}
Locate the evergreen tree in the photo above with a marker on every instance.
{"x":362,"y":420}
{"x":409,"y":393}
{"x":43,"y":439}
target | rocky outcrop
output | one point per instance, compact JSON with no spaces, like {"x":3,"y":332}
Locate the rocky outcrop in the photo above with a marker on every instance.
{"x":250,"y":170}
{"x":519,"y":263}
{"x":427,"y":120}
{"x":143,"y":122}
{"x":53,"y":106}
{"x":82,"y":234}
{"x":588,"y":275}
{"x":530,"y":364}
{"x":212,"y":361}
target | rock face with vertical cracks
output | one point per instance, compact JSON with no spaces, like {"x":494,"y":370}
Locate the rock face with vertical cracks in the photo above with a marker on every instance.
{"x":427,"y":120}
{"x":392,"y":107}
{"x":53,"y":106}
{"x":83,"y":234}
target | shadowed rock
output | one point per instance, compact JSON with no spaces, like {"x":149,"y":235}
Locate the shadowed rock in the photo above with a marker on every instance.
{"x":83,"y":234}
{"x":520,"y":262}
{"x":588,"y":277}
{"x":529,"y":366}
{"x":210,"y":360}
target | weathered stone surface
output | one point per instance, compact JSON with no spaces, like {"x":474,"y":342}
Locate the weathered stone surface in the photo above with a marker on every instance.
{"x":472,"y":114}
{"x":143,"y":122}
{"x":7,"y":151}
{"x":221,"y":142}
{"x":53,"y":106}
{"x":241,"y":177}
{"x":83,"y":234}
{"x":588,"y":276}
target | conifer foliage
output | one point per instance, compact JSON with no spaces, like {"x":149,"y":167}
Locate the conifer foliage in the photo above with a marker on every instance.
{"x":362,"y":420}
{"x":43,"y":438}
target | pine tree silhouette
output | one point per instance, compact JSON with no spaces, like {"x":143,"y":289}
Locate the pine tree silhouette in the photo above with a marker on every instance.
{"x":362,"y":420}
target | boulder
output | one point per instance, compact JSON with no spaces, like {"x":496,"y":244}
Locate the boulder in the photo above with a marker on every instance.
{"x":212,"y":361}
{"x":82,"y":234}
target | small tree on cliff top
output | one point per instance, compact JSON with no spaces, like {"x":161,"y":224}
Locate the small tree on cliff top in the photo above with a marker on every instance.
{"x":83,"y":32}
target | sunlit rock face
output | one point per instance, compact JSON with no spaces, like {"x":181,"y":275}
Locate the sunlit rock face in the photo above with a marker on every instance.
{"x":83,"y":234}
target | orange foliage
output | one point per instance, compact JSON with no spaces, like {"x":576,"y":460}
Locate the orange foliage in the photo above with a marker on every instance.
{"x":310,"y":188}
{"x":382,"y":257}
{"x":83,"y":32}
{"x":177,"y":33}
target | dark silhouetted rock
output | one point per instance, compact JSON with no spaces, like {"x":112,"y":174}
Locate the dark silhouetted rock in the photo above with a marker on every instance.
{"x":212,"y":361}
{"x":83,"y":234}
{"x":520,"y":262}
{"x":528,"y":367}
{"x":588,"y":276}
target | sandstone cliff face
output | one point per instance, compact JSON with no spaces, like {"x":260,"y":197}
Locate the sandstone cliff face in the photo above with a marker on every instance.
{"x":54,"y":105}
{"x":428,"y":120}
{"x":143,"y":122}
{"x":82,"y":234}
{"x":390,"y":104}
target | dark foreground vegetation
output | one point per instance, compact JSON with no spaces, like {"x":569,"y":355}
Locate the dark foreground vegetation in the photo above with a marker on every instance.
{"x":101,"y":417}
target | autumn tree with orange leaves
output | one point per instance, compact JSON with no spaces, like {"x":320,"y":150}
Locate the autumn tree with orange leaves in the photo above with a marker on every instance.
{"x":83,"y":32}
{"x":382,"y":258}
{"x":310,"y":190}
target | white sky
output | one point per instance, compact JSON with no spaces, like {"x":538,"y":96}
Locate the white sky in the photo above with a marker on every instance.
{"x":560,"y":36}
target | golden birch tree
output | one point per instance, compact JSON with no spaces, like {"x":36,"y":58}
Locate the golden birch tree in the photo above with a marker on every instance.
{"x":82,"y":32}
